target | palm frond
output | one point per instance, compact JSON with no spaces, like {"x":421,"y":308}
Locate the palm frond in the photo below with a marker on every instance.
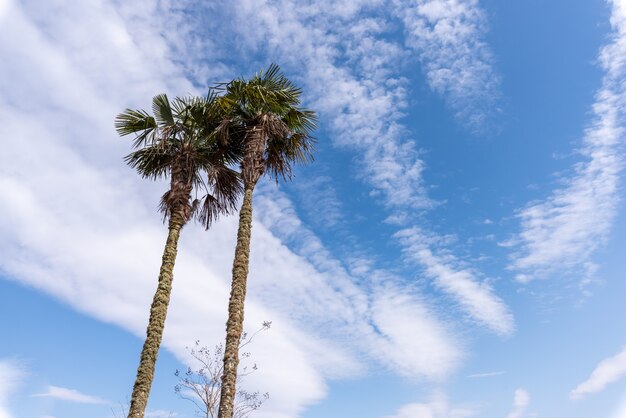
{"x":227,"y":186}
{"x":301,"y":120}
{"x":162,"y":110}
{"x":150,"y":162}
{"x":208,"y":210}
{"x":268,"y":101}
{"x":182,"y":141}
{"x":137,"y":122}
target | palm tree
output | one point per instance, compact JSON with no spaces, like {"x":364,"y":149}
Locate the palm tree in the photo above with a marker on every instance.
{"x":276,"y":133}
{"x":179,"y":142}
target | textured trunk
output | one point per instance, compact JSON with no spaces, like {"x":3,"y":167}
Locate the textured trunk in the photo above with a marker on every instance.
{"x":234,"y":325}
{"x":158,"y":312}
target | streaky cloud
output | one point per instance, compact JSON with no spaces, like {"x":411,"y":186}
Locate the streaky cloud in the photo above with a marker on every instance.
{"x":110,"y":231}
{"x":70,"y":395}
{"x":476,"y":298}
{"x":562,"y":232}
{"x":364,"y":100}
{"x":448,"y":37}
{"x":606,"y":372}
{"x":486,"y":374}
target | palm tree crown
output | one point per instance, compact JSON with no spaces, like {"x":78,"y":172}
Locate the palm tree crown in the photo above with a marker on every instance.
{"x":179,"y":141}
{"x":265,"y":111}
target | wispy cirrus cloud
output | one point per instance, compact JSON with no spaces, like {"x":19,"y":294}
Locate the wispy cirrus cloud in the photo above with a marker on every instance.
{"x":486,"y":374}
{"x":99,"y":241}
{"x":563,"y":231}
{"x":403,"y":320}
{"x":476,"y":298}
{"x":352,"y":70}
{"x":606,"y":372}
{"x":110,"y":231}
{"x":364,"y":99}
{"x":380,"y":313}
{"x":70,"y":395}
{"x":449,"y":39}
{"x":320,"y":201}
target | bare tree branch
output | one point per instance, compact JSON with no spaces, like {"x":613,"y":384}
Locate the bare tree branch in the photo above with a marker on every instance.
{"x":202,"y":386}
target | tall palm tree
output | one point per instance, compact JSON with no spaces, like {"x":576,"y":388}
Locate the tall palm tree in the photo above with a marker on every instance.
{"x":276,"y":133}
{"x":179,"y":142}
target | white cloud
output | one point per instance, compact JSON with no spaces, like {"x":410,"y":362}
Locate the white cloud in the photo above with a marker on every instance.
{"x":606,"y":372}
{"x":87,"y":235}
{"x":4,"y":7}
{"x":70,"y":395}
{"x":562,"y":231}
{"x":81,"y":227}
{"x":448,"y":36}
{"x":352,"y":73}
{"x":620,"y":412}
{"x":320,"y":201}
{"x":486,"y":374}
{"x":520,"y":404}
{"x":409,"y":339}
{"x":476,"y":298}
{"x":384,"y":319}
{"x":364,"y":98}
{"x":12,"y":375}
{"x":438,"y":407}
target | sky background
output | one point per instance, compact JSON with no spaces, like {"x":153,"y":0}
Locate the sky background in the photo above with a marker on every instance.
{"x":456,"y":249}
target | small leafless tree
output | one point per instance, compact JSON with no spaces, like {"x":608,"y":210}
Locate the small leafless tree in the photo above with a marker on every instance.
{"x":123,"y":410}
{"x":202,"y":386}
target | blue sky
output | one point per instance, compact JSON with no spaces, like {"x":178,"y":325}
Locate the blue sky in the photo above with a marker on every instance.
{"x":456,"y":249}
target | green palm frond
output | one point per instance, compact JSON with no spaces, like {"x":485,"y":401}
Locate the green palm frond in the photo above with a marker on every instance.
{"x":181,"y":141}
{"x":301,"y":120}
{"x":162,"y":110}
{"x":151,"y":162}
{"x":266,"y":92}
{"x":269,"y":101}
{"x":137,"y":122}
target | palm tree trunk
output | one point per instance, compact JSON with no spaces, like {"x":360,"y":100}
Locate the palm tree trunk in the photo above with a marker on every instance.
{"x":234,"y":325}
{"x":156,"y":323}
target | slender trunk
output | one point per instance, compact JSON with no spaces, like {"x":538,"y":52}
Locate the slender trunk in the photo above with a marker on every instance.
{"x":234,"y":325}
{"x":156,"y":323}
